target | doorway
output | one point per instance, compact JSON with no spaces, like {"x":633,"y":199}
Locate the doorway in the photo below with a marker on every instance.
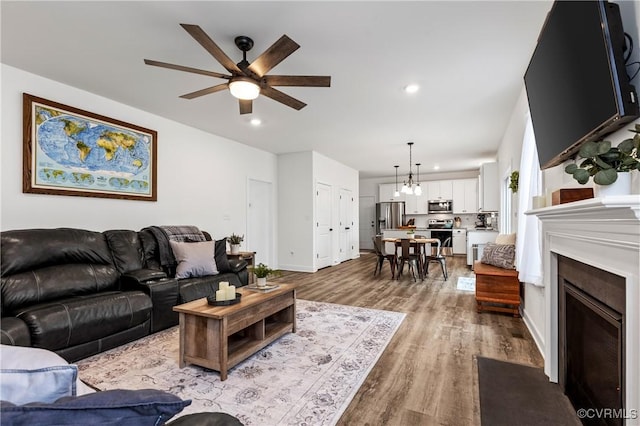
{"x":323,"y":225}
{"x":260,"y":221}
{"x":367,"y":213}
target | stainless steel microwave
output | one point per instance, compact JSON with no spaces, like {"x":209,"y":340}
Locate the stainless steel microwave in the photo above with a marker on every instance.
{"x":440,"y":206}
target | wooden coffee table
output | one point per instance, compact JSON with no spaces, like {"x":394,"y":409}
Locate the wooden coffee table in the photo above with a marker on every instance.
{"x":219,"y":337}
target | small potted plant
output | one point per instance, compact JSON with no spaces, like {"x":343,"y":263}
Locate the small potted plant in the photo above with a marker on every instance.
{"x":606,"y":163}
{"x":261,"y":272}
{"x":234,"y":242}
{"x":514,"y":180}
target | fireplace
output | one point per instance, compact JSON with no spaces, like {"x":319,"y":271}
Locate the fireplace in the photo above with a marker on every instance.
{"x":591,"y":338}
{"x":602,"y":234}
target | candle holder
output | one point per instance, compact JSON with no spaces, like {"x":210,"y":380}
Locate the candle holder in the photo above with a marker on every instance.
{"x":212,"y":300}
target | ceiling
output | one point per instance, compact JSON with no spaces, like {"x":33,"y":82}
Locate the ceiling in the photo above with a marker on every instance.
{"x":468,"y":57}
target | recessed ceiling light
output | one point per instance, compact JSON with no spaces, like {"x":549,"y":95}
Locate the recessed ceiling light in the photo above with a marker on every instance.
{"x":256,"y":121}
{"x":436,"y":167}
{"x":411,"y":88}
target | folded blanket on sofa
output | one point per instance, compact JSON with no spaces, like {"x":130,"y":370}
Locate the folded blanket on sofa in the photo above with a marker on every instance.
{"x":164,"y":234}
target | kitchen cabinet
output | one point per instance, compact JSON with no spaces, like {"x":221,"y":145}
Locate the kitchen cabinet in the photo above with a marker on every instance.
{"x":465,"y":196}
{"x":439,"y":189}
{"x":415,"y":204}
{"x":459,"y":240}
{"x":386,"y":193}
{"x":489,"y":192}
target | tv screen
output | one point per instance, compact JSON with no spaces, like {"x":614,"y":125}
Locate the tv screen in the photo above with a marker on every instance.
{"x":576,"y":82}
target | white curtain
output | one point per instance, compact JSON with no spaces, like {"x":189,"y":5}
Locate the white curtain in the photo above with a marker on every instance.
{"x":529,"y":240}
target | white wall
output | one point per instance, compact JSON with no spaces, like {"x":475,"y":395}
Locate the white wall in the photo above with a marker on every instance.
{"x":298,"y":174}
{"x":202,"y":178}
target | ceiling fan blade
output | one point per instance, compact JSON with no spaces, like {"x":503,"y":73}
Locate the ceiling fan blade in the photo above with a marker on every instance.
{"x":183,"y":68}
{"x":211,"y":47}
{"x":246,"y":106}
{"x":273,"y":55}
{"x":298,"y":80}
{"x":208,"y":90}
{"x":283,"y":98}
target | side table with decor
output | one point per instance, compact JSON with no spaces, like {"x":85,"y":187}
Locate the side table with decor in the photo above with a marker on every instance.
{"x":247,"y":256}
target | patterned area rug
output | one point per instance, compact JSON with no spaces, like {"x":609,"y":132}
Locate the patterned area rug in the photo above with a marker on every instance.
{"x":466,"y":284}
{"x":308,"y":377}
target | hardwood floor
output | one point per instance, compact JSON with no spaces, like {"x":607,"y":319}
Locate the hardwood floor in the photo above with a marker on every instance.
{"x":427,"y":375}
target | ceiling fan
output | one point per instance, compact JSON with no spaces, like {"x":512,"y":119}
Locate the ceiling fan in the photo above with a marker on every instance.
{"x":248,"y":80}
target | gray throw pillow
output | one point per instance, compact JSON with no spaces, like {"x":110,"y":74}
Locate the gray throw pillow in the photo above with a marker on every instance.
{"x":194,"y":259}
{"x":500,"y":255}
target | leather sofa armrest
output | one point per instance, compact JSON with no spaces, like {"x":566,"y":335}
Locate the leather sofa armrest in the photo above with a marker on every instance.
{"x":14,"y":331}
{"x":237,"y":265}
{"x":142,"y":275}
{"x":164,"y":296}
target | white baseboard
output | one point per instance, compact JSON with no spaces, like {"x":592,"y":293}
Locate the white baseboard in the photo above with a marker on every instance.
{"x":535,"y":333}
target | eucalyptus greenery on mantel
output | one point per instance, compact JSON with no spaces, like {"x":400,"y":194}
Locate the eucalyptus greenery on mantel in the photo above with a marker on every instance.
{"x":604,"y":162}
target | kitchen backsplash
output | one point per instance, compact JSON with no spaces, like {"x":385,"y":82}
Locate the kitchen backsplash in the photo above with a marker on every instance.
{"x":421,"y":220}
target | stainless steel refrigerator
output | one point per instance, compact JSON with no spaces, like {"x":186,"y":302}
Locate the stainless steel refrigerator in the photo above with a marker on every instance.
{"x":389,"y":215}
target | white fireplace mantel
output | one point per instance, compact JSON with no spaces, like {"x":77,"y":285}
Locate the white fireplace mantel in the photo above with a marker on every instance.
{"x":604,"y":233}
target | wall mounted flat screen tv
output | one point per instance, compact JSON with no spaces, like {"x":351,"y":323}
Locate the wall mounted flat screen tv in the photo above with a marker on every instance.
{"x":576,"y":81}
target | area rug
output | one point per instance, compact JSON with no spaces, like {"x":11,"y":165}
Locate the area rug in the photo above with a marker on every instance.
{"x":515,"y":394}
{"x":307,"y":377}
{"x":466,"y":284}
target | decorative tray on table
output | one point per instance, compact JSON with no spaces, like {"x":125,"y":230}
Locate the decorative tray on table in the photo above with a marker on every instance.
{"x":265,"y":289}
{"x":212,"y":300}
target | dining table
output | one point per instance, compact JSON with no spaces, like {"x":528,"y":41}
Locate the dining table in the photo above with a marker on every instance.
{"x":420,"y":247}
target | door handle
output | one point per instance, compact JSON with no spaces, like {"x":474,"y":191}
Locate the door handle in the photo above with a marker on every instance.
{"x":346,"y":227}
{"x":330,"y":229}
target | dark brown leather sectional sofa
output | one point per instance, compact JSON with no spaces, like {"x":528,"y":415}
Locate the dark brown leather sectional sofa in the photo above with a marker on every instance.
{"x":78,"y":292}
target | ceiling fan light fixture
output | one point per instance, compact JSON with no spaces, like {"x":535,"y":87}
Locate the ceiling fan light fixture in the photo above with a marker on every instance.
{"x":244,"y":88}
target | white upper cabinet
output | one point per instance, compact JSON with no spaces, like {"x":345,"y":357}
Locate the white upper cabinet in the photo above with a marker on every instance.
{"x":465,"y":196}
{"x":387,"y":191}
{"x":439,"y":189}
{"x":416,"y":204}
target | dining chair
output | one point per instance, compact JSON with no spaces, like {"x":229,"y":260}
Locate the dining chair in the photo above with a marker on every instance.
{"x":438,"y":257}
{"x":381,"y":253}
{"x":410,"y":257}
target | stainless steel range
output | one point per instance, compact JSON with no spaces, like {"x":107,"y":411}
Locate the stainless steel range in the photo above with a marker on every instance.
{"x":440,"y":223}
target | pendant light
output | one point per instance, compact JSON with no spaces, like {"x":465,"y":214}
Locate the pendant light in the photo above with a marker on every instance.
{"x":397,"y":193}
{"x":407,"y":187}
{"x":418,"y":190}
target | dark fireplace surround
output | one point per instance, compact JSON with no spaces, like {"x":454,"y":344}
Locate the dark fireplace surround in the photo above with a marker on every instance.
{"x":591,"y":330}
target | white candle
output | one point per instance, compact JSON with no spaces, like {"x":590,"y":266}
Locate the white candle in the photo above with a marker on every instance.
{"x":221,"y":295}
{"x":231,"y":292}
{"x":223,"y":285}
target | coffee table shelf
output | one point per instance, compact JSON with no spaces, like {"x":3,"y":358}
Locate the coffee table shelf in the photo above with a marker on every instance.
{"x":219,"y":337}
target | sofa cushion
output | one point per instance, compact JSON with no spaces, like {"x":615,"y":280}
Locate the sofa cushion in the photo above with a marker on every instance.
{"x":73,"y":321}
{"x":40,"y":385}
{"x":500,"y":255}
{"x":25,"y":358}
{"x":31,"y":249}
{"x":195,"y":259}
{"x":55,"y":282}
{"x":126,"y":249}
{"x":222,"y":262}
{"x":111,"y":407}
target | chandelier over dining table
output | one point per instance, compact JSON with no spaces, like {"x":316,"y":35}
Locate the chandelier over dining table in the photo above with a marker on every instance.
{"x":408,"y":186}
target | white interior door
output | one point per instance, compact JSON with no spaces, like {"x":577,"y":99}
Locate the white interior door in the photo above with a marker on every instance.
{"x":345,"y":209}
{"x":367,"y":213}
{"x":260,"y":221}
{"x":323,"y":225}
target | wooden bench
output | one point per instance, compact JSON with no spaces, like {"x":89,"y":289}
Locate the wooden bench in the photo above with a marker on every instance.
{"x":497,"y":287}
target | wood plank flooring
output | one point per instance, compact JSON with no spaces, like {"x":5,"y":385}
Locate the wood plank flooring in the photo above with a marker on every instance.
{"x":427,"y":375}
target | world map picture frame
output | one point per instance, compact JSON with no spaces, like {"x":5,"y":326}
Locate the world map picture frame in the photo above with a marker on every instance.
{"x":70,"y":151}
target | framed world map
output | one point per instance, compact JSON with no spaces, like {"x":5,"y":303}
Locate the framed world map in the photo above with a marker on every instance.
{"x":68,"y":151}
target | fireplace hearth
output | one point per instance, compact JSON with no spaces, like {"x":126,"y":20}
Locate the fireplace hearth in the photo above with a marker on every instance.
{"x":591,"y":338}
